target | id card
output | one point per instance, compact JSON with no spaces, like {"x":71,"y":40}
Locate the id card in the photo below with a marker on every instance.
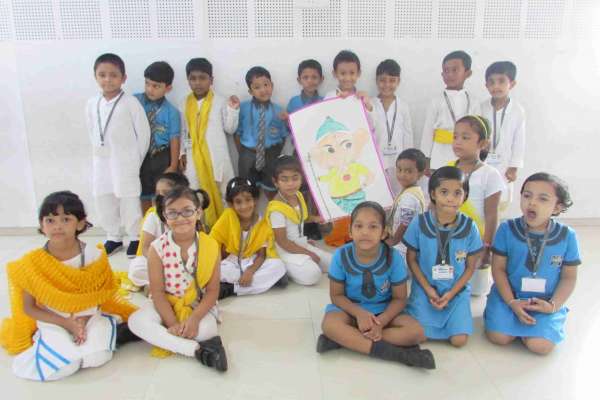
{"x":443,"y":272}
{"x":101,"y":151}
{"x":390,"y":150}
{"x":534,"y":285}
{"x":493,"y":159}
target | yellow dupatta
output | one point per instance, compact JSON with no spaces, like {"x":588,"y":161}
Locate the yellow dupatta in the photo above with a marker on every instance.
{"x":469,"y":209}
{"x":197,"y":125}
{"x":287,"y":210}
{"x":59,"y":286}
{"x":208,"y":252}
{"x":227,"y":232}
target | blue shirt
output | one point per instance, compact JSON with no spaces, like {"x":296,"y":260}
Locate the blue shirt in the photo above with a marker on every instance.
{"x":368,"y":285}
{"x":300,"y":101}
{"x":164,"y":118}
{"x":561,"y":249}
{"x":276,"y":129}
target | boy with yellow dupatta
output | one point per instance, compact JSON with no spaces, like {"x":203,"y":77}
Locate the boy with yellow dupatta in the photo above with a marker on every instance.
{"x":63,"y":298}
{"x":250,"y":264}
{"x":205,"y":153}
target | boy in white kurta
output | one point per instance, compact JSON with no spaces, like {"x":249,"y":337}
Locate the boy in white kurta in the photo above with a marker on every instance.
{"x":393,"y":127}
{"x":120,"y":136}
{"x":507,"y":142}
{"x":447,"y":108}
{"x":222,"y":119}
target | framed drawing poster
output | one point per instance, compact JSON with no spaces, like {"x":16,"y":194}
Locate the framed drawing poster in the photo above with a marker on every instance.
{"x":342,"y":167}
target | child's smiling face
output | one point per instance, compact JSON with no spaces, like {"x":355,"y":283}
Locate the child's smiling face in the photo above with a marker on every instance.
{"x":261,"y":88}
{"x":347,"y":74}
{"x":455,"y":74}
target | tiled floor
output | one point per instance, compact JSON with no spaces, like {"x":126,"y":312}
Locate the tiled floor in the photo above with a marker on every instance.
{"x":270,"y":340}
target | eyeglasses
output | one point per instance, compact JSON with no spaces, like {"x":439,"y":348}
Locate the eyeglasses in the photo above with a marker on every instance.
{"x":185,"y":213}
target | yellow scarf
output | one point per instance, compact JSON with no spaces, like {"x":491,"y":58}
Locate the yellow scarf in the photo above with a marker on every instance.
{"x":208,"y":253}
{"x":287,"y":210}
{"x":59,"y":286}
{"x":227,"y":232}
{"x":469,"y":209}
{"x":197,"y":124}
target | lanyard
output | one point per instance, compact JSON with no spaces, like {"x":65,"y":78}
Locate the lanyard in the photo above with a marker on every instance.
{"x":536,"y":258}
{"x":81,"y":254}
{"x":300,"y":214}
{"x":390,"y":131}
{"x":496,"y":133}
{"x":100,"y":128}
{"x":450,"y":105}
{"x":443,"y":244}
{"x":475,"y":168}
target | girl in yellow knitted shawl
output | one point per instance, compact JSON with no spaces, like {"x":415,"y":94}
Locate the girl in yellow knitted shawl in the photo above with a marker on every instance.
{"x":61,"y":296}
{"x":183,"y":267}
{"x":250,"y":264}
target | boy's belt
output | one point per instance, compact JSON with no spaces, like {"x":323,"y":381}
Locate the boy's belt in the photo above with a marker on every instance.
{"x":158,"y":149}
{"x":443,"y":136}
{"x":266,"y":148}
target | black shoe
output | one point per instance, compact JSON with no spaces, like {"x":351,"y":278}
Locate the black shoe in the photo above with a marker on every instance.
{"x":311,"y":230}
{"x":226,"y":290}
{"x":420,"y":358}
{"x":212,"y":354}
{"x":112,"y":247}
{"x":124,"y":335}
{"x":132,"y":248}
{"x":283,"y":282}
{"x":325,"y":344}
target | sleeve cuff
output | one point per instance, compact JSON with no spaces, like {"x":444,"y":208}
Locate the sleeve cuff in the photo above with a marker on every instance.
{"x":336,"y":279}
{"x":399,"y":282}
{"x":495,"y":250}
{"x":410,"y":246}
{"x":479,"y":250}
{"x":572,"y":263}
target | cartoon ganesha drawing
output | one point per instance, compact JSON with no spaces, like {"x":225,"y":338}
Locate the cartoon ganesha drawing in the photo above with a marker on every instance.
{"x":337,"y":150}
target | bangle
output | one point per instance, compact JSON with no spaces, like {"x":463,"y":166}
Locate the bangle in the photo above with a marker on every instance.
{"x":553,"y":305}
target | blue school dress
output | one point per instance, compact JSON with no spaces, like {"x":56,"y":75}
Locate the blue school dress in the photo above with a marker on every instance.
{"x":462,"y":241}
{"x":561,"y":250}
{"x":368,"y":285}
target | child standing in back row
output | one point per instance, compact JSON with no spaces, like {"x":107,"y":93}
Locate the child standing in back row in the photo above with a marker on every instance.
{"x":120,"y":136}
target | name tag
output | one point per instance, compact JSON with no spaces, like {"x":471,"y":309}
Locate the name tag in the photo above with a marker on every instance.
{"x":390,"y":150}
{"x":101,"y":151}
{"x":443,"y":272}
{"x":493,"y":159}
{"x":534,"y":285}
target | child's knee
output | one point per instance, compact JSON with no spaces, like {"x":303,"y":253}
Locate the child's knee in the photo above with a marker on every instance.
{"x":207,"y":328}
{"x":96,"y":359}
{"x":499,"y":338}
{"x":539,"y":345}
{"x":459,"y":340}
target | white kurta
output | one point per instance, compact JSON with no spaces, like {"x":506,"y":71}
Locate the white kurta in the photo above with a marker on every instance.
{"x":222,"y":120}
{"x":401,"y":135}
{"x":439,"y":117}
{"x":116,"y":165}
{"x":510,"y":140}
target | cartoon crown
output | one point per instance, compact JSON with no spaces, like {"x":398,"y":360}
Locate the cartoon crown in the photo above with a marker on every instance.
{"x":330,"y":126}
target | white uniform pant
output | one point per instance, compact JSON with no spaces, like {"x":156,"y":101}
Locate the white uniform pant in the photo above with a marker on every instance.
{"x":192,"y":175}
{"x":54,"y":354}
{"x":300,"y":267}
{"x":138,"y":271}
{"x":271,"y":271}
{"x":114,"y":212}
{"x":147,"y":324}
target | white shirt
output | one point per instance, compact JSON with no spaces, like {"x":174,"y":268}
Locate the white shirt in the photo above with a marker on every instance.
{"x":401,"y":130}
{"x":153,"y":225}
{"x":278,"y":220}
{"x":408,"y":207}
{"x":116,"y":165}
{"x":177,"y":278}
{"x":439,"y":117}
{"x":484,"y":182}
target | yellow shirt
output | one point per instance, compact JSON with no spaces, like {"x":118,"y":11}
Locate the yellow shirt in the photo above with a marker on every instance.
{"x":342,"y":184}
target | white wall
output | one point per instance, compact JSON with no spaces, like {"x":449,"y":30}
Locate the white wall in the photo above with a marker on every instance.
{"x":45,"y":85}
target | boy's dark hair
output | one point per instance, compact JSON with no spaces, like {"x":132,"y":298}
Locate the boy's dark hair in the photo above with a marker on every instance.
{"x":415,"y":155}
{"x":71,"y":204}
{"x":502,"y":67}
{"x":199,"y":64}
{"x":199,"y":197}
{"x":110,"y":58}
{"x":444,"y":174}
{"x":256,"y":72}
{"x":238,"y":185}
{"x":160,"y":71}
{"x":560,"y":188}
{"x":174,"y":179}
{"x":346,"y":56}
{"x":286,"y":163}
{"x":313,"y":64}
{"x":388,"y":67}
{"x":459,"y":55}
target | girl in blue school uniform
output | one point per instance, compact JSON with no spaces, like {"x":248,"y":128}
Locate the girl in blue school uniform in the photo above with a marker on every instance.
{"x":443,"y":249}
{"x":534,"y":266}
{"x":368,"y":294}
